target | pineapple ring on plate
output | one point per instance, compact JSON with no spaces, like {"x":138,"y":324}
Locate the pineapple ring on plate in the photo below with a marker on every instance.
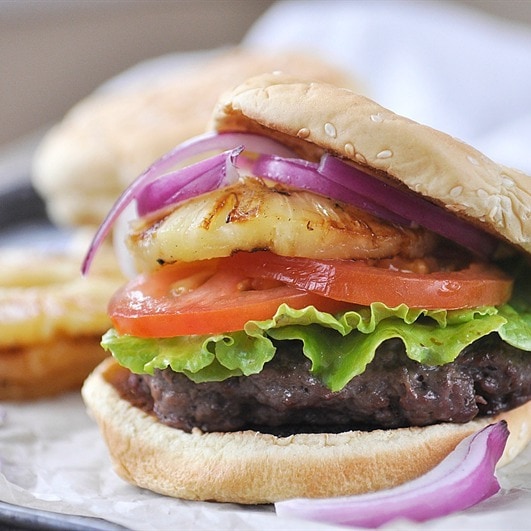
{"x":51,"y":320}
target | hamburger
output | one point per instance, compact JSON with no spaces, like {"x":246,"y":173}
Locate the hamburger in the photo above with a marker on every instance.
{"x":325,"y":306}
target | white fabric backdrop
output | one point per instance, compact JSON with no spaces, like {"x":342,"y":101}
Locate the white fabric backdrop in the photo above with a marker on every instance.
{"x":450,"y":67}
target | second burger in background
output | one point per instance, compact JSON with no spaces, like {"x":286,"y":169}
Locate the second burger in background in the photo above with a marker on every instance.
{"x":85,"y":161}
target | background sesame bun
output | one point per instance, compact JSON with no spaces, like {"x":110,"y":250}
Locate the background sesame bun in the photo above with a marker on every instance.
{"x":106,"y":140}
{"x":252,"y":468}
{"x":429,"y":162}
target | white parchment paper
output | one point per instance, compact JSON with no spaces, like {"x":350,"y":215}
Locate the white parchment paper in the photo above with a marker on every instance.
{"x":463,"y":73}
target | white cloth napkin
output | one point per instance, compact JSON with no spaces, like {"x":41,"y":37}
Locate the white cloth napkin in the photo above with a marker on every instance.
{"x":450,"y":67}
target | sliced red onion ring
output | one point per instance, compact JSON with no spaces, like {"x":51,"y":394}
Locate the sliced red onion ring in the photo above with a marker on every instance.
{"x":409,"y":205}
{"x":300,"y":173}
{"x":195,"y":146}
{"x":335,"y":178}
{"x":463,"y":479}
{"x":180,"y":185}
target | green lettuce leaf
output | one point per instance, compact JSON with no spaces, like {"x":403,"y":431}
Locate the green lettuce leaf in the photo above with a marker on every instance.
{"x":201,"y":358}
{"x":339,"y":347}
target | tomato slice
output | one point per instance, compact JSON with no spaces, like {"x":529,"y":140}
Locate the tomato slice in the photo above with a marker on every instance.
{"x":221,"y":295}
{"x":357,"y":282}
{"x":206,"y":297}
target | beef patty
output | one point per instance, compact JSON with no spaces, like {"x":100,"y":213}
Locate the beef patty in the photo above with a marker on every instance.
{"x":488,"y":377}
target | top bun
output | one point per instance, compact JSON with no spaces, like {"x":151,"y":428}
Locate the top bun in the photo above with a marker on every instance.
{"x":106,"y":140}
{"x":313,"y":116}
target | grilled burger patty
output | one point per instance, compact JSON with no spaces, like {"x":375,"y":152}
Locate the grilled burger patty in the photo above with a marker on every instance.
{"x":487,"y":378}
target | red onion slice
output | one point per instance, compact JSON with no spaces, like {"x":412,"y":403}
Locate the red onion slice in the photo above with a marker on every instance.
{"x":332,"y":177}
{"x":336,"y":178}
{"x":463,"y":479}
{"x":300,"y":173}
{"x":195,"y":146}
{"x":409,"y":205}
{"x":180,"y":185}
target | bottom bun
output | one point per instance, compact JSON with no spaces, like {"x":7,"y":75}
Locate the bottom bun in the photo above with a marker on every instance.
{"x":253,"y":468}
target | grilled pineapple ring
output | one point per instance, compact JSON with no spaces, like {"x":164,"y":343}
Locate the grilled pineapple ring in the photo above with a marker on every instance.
{"x":51,"y":320}
{"x":251,"y":215}
{"x":44,"y":295}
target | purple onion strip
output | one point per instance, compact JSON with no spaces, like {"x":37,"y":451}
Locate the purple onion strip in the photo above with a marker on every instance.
{"x":409,"y":205}
{"x":463,"y":479}
{"x":198,"y":145}
{"x":180,"y":185}
{"x":300,"y":173}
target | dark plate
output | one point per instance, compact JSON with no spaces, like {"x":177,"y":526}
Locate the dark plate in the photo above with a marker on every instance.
{"x":17,"y":518}
{"x":21,"y":204}
{"x":24,"y":222}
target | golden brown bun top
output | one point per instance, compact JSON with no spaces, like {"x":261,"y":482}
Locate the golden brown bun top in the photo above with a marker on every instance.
{"x":315,"y":116}
{"x":106,"y":140}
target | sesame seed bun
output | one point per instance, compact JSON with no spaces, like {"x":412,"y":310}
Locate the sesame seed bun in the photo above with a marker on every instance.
{"x":429,"y":162}
{"x":253,"y":468}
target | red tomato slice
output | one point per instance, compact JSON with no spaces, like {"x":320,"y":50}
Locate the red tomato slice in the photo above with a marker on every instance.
{"x":360,"y":283}
{"x":203,"y":298}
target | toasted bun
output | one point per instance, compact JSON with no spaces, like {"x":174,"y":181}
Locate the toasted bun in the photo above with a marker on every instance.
{"x":106,"y":140}
{"x":51,"y":320}
{"x":252,"y":468}
{"x":314,"y":116}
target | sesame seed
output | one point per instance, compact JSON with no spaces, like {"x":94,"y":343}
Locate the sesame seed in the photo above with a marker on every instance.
{"x":482,"y":194}
{"x":376,"y":118}
{"x":472,"y":160}
{"x":494,"y":211}
{"x":360,"y":158}
{"x":303,"y":132}
{"x":283,"y":441}
{"x":507,"y":181}
{"x":330,"y":129}
{"x":385,"y":154}
{"x":349,"y":149}
{"x":506,"y":204}
{"x":456,"y":208}
{"x":456,"y":191}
